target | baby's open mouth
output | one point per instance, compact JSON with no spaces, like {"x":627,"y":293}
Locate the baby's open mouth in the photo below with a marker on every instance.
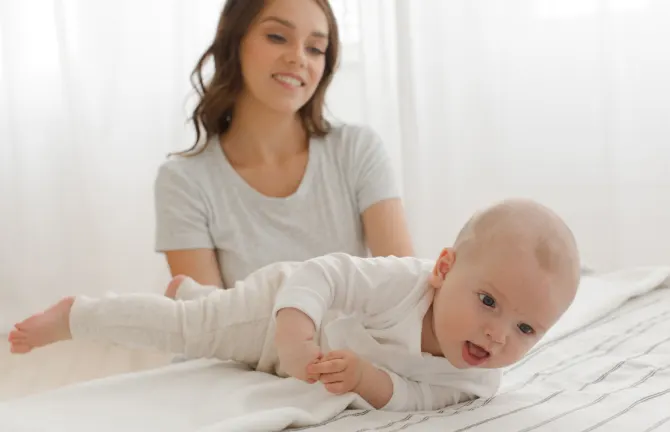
{"x":473,"y":354}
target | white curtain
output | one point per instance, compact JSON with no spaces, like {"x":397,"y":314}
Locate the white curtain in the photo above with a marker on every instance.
{"x":565,"y":101}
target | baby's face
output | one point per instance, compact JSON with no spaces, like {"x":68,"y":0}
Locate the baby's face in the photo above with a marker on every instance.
{"x":490,"y":312}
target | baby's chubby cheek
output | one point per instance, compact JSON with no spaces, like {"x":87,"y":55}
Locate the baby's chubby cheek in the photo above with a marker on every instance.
{"x":510,"y":355}
{"x":521,"y":351}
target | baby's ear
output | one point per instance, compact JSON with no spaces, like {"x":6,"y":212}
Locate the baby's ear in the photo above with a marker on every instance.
{"x":442,"y":266}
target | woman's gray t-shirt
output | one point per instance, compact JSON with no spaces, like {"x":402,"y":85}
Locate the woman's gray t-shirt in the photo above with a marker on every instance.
{"x":202,"y":202}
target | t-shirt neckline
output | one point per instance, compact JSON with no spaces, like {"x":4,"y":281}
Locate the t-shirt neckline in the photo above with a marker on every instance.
{"x":245,"y":188}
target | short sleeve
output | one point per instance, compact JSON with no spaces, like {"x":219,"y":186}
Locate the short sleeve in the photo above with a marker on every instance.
{"x":371,"y":169}
{"x":180,"y":211}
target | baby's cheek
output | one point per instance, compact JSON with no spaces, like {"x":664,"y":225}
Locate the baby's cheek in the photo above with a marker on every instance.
{"x":527,"y":345}
{"x":516,"y":350}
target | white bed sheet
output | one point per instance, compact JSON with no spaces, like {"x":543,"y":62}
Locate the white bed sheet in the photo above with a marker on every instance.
{"x":605,"y":367}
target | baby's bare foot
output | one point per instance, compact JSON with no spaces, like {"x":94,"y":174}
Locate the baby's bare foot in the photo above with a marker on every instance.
{"x":173,"y":286}
{"x":42,"y":329}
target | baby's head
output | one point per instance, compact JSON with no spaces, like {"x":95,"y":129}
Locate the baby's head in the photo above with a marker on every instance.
{"x":512,"y":272}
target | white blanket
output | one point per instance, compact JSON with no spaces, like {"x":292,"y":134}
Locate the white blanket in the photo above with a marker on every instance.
{"x":213,"y":396}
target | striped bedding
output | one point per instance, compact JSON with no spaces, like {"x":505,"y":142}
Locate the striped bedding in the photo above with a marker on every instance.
{"x":611,"y":375}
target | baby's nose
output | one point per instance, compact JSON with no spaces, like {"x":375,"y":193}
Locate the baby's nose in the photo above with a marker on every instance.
{"x":496,"y":336}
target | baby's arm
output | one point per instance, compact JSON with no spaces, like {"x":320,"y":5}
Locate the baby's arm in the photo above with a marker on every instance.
{"x":349,"y":284}
{"x":375,"y":387}
{"x":343,"y":372}
{"x":388,"y":391}
{"x":294,"y":326}
{"x":409,"y":395}
{"x":337,"y":281}
{"x":294,"y":339}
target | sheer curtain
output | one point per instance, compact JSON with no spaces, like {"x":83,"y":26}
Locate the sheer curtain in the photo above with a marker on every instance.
{"x":567,"y":102}
{"x":564,"y":101}
{"x":93,"y":96}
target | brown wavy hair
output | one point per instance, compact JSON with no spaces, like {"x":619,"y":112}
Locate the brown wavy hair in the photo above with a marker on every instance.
{"x":214,"y":110}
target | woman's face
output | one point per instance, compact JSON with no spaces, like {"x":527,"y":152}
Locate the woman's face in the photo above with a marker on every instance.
{"x":283,"y":54}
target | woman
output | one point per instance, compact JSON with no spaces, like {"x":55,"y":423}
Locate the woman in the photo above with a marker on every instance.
{"x":272,"y":180}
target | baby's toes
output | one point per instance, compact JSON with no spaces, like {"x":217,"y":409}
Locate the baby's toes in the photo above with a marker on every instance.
{"x":16,"y":336}
{"x":20,"y":348}
{"x":24,"y":325}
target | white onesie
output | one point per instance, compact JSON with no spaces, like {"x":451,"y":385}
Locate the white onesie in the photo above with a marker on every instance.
{"x":371,"y":306}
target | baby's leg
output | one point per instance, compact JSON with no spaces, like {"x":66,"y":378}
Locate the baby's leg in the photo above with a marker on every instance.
{"x":50,"y":326}
{"x":53,"y":325}
{"x":185,"y":288}
{"x":227,"y":324}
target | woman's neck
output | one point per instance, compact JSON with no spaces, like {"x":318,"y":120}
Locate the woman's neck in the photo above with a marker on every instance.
{"x":258,"y":135}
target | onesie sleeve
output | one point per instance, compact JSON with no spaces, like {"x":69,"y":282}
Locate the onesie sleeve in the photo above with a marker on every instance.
{"x":410,"y":395}
{"x":180,"y":211}
{"x":350,"y":284}
{"x":370,"y":168}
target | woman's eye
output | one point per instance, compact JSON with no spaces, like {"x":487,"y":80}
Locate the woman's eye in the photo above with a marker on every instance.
{"x":525,"y":328}
{"x":487,"y":300}
{"x":276,"y":38}
{"x":316,"y":51}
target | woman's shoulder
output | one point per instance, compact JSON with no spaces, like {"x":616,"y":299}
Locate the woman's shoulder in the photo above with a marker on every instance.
{"x":351,"y":142}
{"x":193,"y":167}
{"x":189,"y":161}
{"x":352,"y":134}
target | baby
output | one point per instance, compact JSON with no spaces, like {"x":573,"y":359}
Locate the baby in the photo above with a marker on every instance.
{"x":404,"y":334}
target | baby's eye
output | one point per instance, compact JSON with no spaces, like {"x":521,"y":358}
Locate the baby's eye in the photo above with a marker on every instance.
{"x":487,"y":300}
{"x":525,"y":328}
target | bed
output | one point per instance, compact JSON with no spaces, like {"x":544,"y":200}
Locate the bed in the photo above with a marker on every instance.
{"x":605,"y":367}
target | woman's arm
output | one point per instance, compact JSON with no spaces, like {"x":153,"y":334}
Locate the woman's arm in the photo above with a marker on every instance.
{"x":373,"y":177}
{"x":182,"y":226}
{"x":386,"y":230}
{"x":200,"y":265}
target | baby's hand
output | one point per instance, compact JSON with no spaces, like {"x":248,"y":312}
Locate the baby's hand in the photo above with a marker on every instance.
{"x":294,"y":358}
{"x":339,"y":371}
